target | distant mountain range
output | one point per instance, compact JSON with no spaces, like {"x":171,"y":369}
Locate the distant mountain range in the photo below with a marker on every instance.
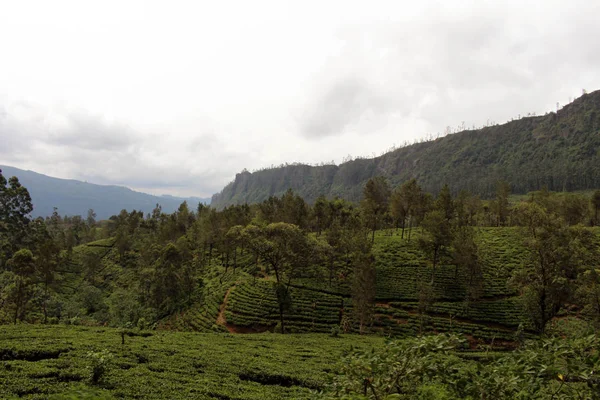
{"x":558,"y":150}
{"x":73,"y":197}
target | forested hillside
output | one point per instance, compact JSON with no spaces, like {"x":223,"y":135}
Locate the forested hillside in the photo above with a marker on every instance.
{"x":73,"y":197}
{"x":559,"y":150}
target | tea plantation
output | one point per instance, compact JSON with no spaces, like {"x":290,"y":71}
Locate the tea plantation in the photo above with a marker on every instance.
{"x":56,"y":362}
{"x":316,"y":306}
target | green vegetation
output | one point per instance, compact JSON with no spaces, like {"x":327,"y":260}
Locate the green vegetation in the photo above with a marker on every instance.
{"x":40,"y":362}
{"x":496,"y":272}
{"x":432,"y":367}
{"x":59,"y":362}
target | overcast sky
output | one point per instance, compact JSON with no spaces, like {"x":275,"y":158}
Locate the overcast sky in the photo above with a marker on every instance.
{"x":178,"y":96}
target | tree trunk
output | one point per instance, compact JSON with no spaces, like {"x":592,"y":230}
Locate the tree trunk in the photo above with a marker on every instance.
{"x":234,"y":258}
{"x":44,"y":309}
{"x":330,"y":270}
{"x":281,"y":319}
{"x":435,"y":255}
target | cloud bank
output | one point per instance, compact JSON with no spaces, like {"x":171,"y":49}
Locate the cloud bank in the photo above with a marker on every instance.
{"x":176,"y":99}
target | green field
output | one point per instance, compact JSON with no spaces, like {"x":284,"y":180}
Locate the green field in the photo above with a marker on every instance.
{"x":37,"y":362}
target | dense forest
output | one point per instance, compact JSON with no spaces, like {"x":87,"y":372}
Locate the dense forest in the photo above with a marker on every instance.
{"x":402,"y":263}
{"x":558,"y":150}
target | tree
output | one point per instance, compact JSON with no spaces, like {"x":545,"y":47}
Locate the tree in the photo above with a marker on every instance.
{"x":445,"y":204}
{"x":437,"y":236}
{"x":375,"y":203}
{"x":320,"y":214}
{"x":283,"y":246}
{"x":15,"y":207}
{"x":47,"y":263}
{"x":555,"y":254}
{"x":294,"y":209}
{"x":588,"y":295}
{"x":500,"y":203}
{"x":22,"y":265}
{"x":170,"y":280}
{"x":465,"y":257}
{"x":398,"y":209}
{"x":423,"y":206}
{"x":596,"y":205}
{"x":364,"y":277}
{"x":574,"y":208}
{"x":235,"y":236}
{"x":91,"y":218}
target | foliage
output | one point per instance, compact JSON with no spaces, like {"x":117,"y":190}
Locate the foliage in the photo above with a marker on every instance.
{"x":100,"y":364}
{"x":429,"y":366}
{"x":38,"y":362}
{"x":556,"y":253}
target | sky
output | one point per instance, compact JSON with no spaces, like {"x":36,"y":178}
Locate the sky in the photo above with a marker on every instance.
{"x":176,"y":97}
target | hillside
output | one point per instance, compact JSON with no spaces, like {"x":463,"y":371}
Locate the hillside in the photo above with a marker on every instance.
{"x":250,"y":305}
{"x":559,"y":150}
{"x":73,"y":197}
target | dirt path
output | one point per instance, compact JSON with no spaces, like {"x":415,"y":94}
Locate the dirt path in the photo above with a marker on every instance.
{"x":221,"y":317}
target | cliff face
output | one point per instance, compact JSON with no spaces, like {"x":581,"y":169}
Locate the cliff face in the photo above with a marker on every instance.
{"x":560,"y":150}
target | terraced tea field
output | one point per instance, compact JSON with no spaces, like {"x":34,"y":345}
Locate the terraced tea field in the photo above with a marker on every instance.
{"x":251,"y":304}
{"x":41,"y":362}
{"x":239,"y":303}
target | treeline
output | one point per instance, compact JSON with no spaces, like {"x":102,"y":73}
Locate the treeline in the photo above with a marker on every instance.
{"x":147,"y":267}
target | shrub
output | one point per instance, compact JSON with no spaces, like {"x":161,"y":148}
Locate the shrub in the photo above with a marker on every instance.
{"x":100,"y":364}
{"x":142,"y":324}
{"x":335,"y":331}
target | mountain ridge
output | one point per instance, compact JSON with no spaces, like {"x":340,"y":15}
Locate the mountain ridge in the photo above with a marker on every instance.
{"x":560,"y":150}
{"x":74,"y":197}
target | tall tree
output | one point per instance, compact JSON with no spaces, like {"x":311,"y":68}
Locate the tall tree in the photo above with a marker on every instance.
{"x":375,"y":203}
{"x":283,"y":246}
{"x":22,"y":265}
{"x":398,"y":209}
{"x":465,"y":256}
{"x":437,"y":236}
{"x":320,"y":214}
{"x":364,"y":276}
{"x":15,"y":207}
{"x":445,"y":204}
{"x":555,"y":254}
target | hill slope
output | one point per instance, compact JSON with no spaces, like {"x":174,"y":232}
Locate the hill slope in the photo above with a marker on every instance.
{"x":73,"y":197}
{"x":560,"y":150}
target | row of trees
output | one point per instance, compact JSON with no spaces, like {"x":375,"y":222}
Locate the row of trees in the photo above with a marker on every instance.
{"x":152,"y":265}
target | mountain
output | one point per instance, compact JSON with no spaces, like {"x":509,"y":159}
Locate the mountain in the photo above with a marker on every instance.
{"x":73,"y":197}
{"x":560,"y":150}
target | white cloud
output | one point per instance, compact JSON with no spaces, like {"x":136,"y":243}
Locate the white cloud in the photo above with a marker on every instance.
{"x":177,"y":97}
